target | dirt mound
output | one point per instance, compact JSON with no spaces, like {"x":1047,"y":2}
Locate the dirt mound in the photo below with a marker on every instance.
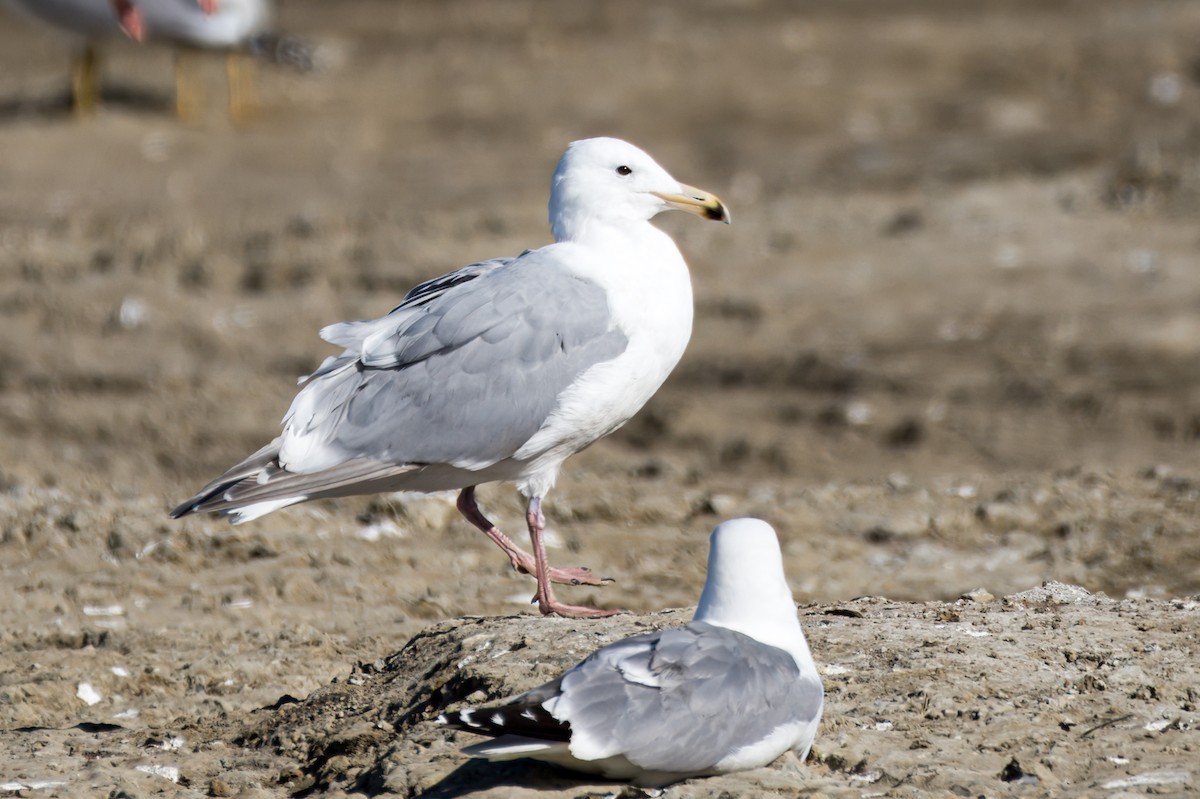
{"x":1053,"y":687}
{"x":1054,"y":690}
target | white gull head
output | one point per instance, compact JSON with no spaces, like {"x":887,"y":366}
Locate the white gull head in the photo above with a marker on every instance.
{"x":747,"y":591}
{"x":610,"y":182}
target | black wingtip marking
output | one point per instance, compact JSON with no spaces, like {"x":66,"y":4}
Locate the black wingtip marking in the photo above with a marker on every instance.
{"x":183,"y":510}
{"x":533,"y":721}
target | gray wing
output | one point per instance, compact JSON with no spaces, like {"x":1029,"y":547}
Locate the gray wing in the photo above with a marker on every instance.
{"x":463,"y":372}
{"x":683,"y":699}
{"x":423,"y":293}
{"x":676,"y":701}
{"x":351,"y":335}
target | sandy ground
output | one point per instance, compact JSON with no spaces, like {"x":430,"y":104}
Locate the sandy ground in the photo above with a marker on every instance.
{"x":950,"y":342}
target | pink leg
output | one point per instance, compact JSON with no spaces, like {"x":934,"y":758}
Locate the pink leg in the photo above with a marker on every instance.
{"x":547,"y":604}
{"x":129,"y":18}
{"x":521,"y":560}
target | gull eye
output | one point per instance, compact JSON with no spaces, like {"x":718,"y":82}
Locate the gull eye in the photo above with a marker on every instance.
{"x":623,"y":170}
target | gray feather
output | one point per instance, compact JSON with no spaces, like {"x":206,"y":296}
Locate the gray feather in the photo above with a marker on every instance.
{"x":249,"y":469}
{"x":423,"y":293}
{"x":463,"y":372}
{"x":717,"y":690}
{"x":466,"y":376}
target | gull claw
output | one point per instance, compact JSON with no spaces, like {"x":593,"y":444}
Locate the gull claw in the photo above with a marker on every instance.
{"x":555,"y":608}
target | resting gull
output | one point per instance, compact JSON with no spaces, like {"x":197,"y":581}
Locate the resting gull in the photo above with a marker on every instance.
{"x":498,"y":371}
{"x":733,"y":689}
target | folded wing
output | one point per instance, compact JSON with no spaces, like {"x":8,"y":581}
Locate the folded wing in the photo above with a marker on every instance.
{"x":677,"y":701}
{"x":463,"y":372}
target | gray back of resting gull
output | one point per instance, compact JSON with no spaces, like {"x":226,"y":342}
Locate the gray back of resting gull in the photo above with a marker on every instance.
{"x":733,"y":689}
{"x":500,"y":370}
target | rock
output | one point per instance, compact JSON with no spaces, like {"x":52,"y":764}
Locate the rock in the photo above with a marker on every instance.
{"x":1057,"y":593}
{"x":980,"y":595}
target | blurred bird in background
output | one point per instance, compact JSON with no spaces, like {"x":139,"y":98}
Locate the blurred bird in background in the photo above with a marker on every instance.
{"x":238,"y":28}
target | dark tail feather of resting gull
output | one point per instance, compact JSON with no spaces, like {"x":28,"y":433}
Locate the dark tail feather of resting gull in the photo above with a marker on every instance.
{"x":733,"y":689}
{"x":498,"y":371}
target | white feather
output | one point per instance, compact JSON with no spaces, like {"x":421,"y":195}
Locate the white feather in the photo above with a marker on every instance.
{"x":251,"y":512}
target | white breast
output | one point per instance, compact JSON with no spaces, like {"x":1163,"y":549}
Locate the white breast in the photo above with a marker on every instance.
{"x":650,"y":299}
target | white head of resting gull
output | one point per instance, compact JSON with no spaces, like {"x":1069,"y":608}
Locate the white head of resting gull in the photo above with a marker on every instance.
{"x":499,"y":370}
{"x":733,"y":689}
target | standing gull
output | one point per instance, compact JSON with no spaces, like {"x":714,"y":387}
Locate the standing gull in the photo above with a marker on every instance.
{"x":733,"y":689}
{"x":500,"y":370}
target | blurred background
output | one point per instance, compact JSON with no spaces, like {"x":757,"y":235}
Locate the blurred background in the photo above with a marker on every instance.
{"x":950,"y":341}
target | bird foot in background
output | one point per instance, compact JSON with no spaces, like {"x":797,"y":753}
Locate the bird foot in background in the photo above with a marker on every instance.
{"x":580,"y":575}
{"x":521,"y":560}
{"x":544,"y":598}
{"x":552,"y":607}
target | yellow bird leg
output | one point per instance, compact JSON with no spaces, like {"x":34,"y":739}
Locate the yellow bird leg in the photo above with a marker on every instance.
{"x":85,"y":82}
{"x":243,"y":95}
{"x":189,"y":93}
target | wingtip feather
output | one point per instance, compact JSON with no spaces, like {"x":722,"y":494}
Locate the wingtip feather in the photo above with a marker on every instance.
{"x":512,"y":747}
{"x":182,"y":510}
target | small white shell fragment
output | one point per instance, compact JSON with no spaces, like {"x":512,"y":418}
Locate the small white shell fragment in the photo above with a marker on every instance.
{"x":88,"y":694}
{"x":868,"y":776}
{"x":35,"y":785}
{"x":1163,"y":777}
{"x":859,"y":413}
{"x":382,"y":529}
{"x":133,"y":313}
{"x":166,"y":772}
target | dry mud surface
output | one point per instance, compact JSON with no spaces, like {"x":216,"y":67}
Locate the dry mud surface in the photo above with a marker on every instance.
{"x":951,"y":342}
